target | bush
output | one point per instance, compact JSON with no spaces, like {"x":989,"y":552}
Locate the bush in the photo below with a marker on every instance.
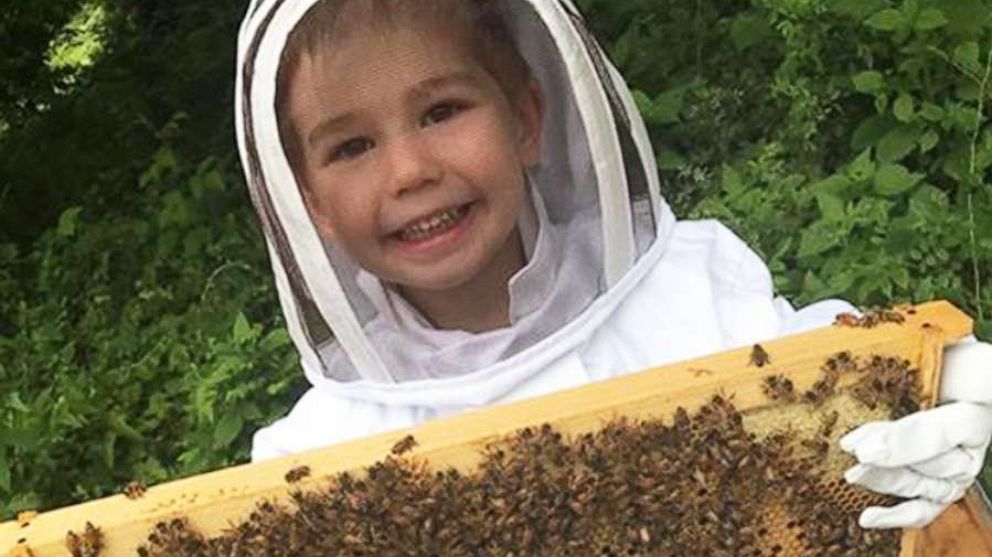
{"x":847,"y":141}
{"x":145,"y":345}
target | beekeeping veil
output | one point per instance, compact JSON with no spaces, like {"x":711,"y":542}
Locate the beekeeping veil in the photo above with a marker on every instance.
{"x":597,"y":179}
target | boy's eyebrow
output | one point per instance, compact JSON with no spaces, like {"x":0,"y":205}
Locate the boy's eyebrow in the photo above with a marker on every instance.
{"x":329,"y":126}
{"x":421,"y":89}
{"x":454,"y":78}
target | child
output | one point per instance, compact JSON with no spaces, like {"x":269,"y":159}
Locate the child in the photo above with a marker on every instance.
{"x":461,"y":207}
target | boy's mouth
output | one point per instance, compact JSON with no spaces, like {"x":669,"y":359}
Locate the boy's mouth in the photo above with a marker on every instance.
{"x":433,"y":225}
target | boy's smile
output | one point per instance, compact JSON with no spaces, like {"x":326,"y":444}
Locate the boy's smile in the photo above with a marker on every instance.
{"x":413,"y":157}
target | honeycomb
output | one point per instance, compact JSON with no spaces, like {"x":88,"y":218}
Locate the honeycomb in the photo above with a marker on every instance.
{"x":715,"y":481}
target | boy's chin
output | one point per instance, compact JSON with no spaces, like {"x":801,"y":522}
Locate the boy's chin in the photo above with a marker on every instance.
{"x":435,"y":282}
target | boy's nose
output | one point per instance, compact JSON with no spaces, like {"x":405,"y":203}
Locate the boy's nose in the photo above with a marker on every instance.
{"x":412,"y":164}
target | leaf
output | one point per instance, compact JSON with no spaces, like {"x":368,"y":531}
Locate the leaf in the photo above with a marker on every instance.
{"x":228,"y":429}
{"x":968,"y":18}
{"x":967,"y":56}
{"x":931,"y":112}
{"x":642,"y":100}
{"x":118,"y":425}
{"x":68,"y":222}
{"x":26,"y":438}
{"x":277,"y":338}
{"x":870,"y":132}
{"x":107,"y":449}
{"x":930,"y":18}
{"x":750,"y":30}
{"x":242,"y":331}
{"x":887,"y":20}
{"x":869,"y":81}
{"x":898,"y":143}
{"x":667,"y":106}
{"x":881,"y":103}
{"x":904,"y":108}
{"x":863,"y":167}
{"x":165,"y":161}
{"x":14,"y":402}
{"x":929,"y":205}
{"x":669,"y":159}
{"x":4,"y":471}
{"x":837,"y":185}
{"x":859,"y":9}
{"x":818,"y":238}
{"x":929,"y":141}
{"x":732,"y":180}
{"x":894,"y":179}
{"x":831,"y":206}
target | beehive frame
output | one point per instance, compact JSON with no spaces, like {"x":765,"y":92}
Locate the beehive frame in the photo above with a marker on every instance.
{"x":215,"y":500}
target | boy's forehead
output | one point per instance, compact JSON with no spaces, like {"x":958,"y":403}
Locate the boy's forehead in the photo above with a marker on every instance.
{"x":423,"y":51}
{"x":367,"y":71}
{"x":415,"y":59}
{"x":433,"y":18}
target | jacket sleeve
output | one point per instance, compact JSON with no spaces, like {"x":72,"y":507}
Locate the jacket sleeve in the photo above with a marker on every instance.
{"x":320,"y":419}
{"x":813,"y":316}
{"x":743,"y":277}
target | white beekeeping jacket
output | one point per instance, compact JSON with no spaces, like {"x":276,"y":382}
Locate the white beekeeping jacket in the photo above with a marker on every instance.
{"x":614,"y":283}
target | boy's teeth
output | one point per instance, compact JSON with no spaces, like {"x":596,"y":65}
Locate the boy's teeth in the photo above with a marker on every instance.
{"x":432,"y":225}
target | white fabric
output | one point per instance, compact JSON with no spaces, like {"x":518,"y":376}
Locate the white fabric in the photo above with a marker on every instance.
{"x":930,"y":457}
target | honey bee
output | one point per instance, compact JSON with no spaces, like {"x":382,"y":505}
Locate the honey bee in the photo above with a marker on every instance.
{"x":404,"y":445}
{"x":87,"y":544}
{"x":778,"y":387}
{"x":821,"y":390}
{"x":847,"y":320}
{"x":820,"y":446}
{"x":134,"y":490}
{"x":759,"y":357}
{"x":828,"y":424}
{"x":297,"y":474}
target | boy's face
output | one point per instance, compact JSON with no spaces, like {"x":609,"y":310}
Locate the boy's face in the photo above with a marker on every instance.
{"x":413,"y":157}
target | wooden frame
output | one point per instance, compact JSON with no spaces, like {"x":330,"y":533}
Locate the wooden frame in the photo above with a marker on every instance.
{"x":212,"y":501}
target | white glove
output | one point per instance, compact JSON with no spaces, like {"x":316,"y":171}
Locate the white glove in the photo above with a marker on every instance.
{"x":933,"y":456}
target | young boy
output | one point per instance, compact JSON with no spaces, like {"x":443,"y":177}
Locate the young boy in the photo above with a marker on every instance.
{"x":461,"y":207}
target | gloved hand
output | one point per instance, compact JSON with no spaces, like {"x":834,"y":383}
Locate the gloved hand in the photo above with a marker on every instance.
{"x":933,"y":456}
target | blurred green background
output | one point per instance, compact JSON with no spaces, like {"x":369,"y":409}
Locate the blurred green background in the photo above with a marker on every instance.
{"x":848,"y":141}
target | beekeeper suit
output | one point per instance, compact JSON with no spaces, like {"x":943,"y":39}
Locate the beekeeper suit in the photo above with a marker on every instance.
{"x":613,"y":283}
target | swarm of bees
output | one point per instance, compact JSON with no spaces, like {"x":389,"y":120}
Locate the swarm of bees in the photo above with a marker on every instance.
{"x":87,"y":544}
{"x":872,"y":318}
{"x":134,"y":490}
{"x":779,"y":388}
{"x":699,"y":483}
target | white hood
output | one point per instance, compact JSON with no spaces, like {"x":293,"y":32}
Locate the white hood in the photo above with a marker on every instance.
{"x":596,"y":160}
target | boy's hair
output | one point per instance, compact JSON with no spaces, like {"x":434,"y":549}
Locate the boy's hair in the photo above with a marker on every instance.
{"x":479,"y":21}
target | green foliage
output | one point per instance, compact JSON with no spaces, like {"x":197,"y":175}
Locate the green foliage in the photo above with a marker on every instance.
{"x":848,"y":142}
{"x":139,"y":345}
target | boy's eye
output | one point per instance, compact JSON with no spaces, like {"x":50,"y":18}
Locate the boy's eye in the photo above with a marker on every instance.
{"x":441,"y":112}
{"x":351,"y":149}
